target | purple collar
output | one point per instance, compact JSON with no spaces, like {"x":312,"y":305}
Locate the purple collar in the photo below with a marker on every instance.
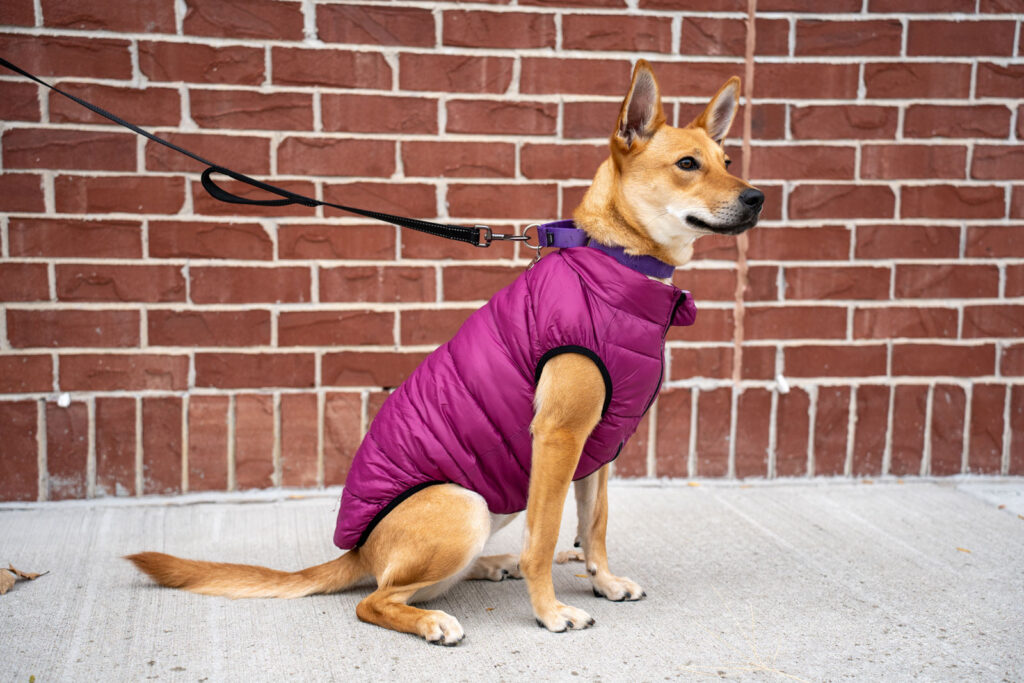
{"x":564,"y":234}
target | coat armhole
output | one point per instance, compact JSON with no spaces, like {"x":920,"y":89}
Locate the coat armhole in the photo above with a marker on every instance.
{"x":583,"y":351}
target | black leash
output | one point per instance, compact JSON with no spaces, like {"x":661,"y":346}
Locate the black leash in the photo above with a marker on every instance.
{"x":478,"y":235}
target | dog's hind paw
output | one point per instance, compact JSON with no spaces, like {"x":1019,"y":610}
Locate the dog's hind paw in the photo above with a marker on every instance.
{"x":441,"y":628}
{"x":569,"y":556}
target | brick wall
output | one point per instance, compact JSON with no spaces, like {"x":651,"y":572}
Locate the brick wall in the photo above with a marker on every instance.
{"x":205,"y":346}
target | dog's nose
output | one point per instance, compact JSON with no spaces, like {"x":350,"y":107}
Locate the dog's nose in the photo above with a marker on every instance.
{"x":752,"y":197}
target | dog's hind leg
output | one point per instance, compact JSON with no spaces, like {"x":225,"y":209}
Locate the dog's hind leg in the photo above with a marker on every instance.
{"x":495,"y":568}
{"x":417,"y":551}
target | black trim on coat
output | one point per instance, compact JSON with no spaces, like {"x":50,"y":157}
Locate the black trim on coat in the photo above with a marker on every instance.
{"x":583,"y":351}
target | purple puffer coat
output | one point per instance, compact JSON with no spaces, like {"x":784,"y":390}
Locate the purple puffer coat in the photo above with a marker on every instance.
{"x":464,"y":414}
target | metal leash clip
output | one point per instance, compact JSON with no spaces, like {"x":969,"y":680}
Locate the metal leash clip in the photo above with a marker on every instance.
{"x":487,"y":236}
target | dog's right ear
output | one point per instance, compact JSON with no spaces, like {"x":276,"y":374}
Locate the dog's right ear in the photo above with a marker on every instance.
{"x":641,"y":112}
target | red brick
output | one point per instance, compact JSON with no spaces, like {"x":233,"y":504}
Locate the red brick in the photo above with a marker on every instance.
{"x":67,"y":449}
{"x":194,"y":63}
{"x":152,"y":16}
{"x":999,"y":80}
{"x":1011,"y":362}
{"x":181,"y":239}
{"x":208,"y":443}
{"x":299,"y":440}
{"x":590,"y":119}
{"x":574,"y":76}
{"x":53,"y":328}
{"x":115,"y":446}
{"x":342,"y":434}
{"x":75,"y":238}
{"x":208,"y":328}
{"x":841,"y":201}
{"x":518,"y":30}
{"x":753,"y":423}
{"x":331,"y":67}
{"x":502,"y":118}
{"x":17,"y":13}
{"x":574,"y":3}
{"x":870,"y":430}
{"x":907,"y":241}
{"x":24,"y":282}
{"x":960,"y":38}
{"x":686,"y":79}
{"x":407,"y":199}
{"x":271,"y":19}
{"x":929,"y":6}
{"x":946,"y":281}
{"x":861,"y":282}
{"x":24,"y":192}
{"x":992,"y":162}
{"x":805,"y":81}
{"x":616,"y":33}
{"x":245,"y":153}
{"x":993,"y":321}
{"x":831,"y":431}
{"x":909,"y":321}
{"x":673,"y":433}
{"x":949,"y":121}
{"x":715,"y":324}
{"x":19,"y":101}
{"x":1017,"y":202}
{"x":631,"y":461}
{"x":335,"y":157}
{"x":938,"y":360}
{"x":335,"y":328}
{"x":997,"y":6}
{"x":255,"y":370}
{"x":985,"y":450}
{"x":709,"y":361}
{"x":432,"y":326}
{"x":69,"y":56}
{"x":161,"y":444}
{"x":474,"y":283}
{"x":947,"y":429}
{"x":454,"y":73}
{"x":767,"y":123}
{"x":538,"y":201}
{"x":820,"y":243}
{"x":783,"y":162}
{"x":237,"y":285}
{"x":118,"y":194}
{"x":845,"y":6}
{"x":879,"y":37}
{"x":123,"y":372}
{"x":1017,"y":431}
{"x":994,"y":241}
{"x":561,"y":161}
{"x":894,"y":162}
{"x":22,"y":374}
{"x":53,"y":148}
{"x":714,"y":415}
{"x":333,"y":242}
{"x":835,"y":361}
{"x":1015,"y":280}
{"x":150,"y":106}
{"x":707,"y":284}
{"x":368,"y":368}
{"x":842,"y":122}
{"x":367,"y":24}
{"x":377,"y":283}
{"x":792,"y":427}
{"x":712,"y":36}
{"x":18,"y":427}
{"x":251,"y":110}
{"x":378,"y":114}
{"x":254,"y":441}
{"x":903,"y":80}
{"x":458,"y":159}
{"x":909,"y":410}
{"x":794,"y":322}
{"x":98,"y":282}
{"x":953,"y":201}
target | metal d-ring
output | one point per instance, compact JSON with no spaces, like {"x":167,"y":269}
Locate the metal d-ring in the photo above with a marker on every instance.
{"x":526,"y":241}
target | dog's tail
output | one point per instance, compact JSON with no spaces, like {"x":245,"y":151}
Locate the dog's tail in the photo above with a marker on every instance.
{"x":249,"y":581}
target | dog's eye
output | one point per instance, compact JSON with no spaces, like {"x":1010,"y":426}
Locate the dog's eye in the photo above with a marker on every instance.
{"x":727,"y":162}
{"x":688,"y":164}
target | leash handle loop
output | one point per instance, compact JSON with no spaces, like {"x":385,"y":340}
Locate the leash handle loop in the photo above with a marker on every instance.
{"x":219,"y":193}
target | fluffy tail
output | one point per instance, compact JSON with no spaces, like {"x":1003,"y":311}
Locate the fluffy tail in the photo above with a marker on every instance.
{"x":248,"y":581}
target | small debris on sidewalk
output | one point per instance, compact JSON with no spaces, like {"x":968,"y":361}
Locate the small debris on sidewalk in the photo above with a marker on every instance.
{"x":9,"y":576}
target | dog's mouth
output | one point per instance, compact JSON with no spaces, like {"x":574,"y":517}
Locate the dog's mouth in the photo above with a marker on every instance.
{"x":730,"y":229}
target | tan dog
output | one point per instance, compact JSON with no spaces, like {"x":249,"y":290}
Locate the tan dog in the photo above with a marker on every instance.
{"x":661,"y":189}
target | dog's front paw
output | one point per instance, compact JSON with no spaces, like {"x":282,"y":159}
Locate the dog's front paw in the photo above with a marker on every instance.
{"x":441,"y":628}
{"x":617,"y":589}
{"x":563,"y":618}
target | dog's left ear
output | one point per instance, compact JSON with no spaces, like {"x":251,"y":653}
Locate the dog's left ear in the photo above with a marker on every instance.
{"x":641,"y":112}
{"x":720,"y":112}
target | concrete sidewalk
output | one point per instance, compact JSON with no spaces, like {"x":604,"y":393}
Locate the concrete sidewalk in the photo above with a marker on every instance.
{"x":820,"y":580}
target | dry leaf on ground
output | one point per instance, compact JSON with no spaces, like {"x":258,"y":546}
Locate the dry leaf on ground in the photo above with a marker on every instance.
{"x":24,"y":575}
{"x":6,"y":581}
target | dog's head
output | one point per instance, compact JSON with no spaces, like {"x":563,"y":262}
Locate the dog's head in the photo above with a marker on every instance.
{"x":673,"y":184}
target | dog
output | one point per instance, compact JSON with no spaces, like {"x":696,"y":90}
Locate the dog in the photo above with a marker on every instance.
{"x":470,"y":440}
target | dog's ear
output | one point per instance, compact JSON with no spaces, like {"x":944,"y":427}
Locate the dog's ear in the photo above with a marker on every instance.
{"x":641,"y":112}
{"x":718,"y":116}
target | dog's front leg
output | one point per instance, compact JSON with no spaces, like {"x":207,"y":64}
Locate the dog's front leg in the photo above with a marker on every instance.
{"x":568,"y":403}
{"x":592,"y":511}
